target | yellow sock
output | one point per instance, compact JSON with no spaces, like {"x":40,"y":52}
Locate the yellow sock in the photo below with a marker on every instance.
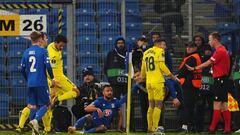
{"x":24,"y":116}
{"x":47,"y":119}
{"x":150,"y":118}
{"x":68,"y":95}
{"x":156,"y":117}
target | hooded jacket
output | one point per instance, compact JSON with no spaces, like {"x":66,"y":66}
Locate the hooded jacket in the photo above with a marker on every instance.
{"x":114,"y":66}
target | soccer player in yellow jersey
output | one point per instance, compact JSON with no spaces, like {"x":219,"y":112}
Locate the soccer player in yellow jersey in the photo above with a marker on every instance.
{"x":68,"y":89}
{"x":154,"y":69}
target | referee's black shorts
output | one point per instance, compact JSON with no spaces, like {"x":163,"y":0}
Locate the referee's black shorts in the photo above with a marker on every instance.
{"x":220,"y":89}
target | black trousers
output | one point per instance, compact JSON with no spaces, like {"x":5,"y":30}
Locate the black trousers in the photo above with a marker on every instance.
{"x":189,"y":100}
{"x":143,"y":97}
{"x":204,"y":107}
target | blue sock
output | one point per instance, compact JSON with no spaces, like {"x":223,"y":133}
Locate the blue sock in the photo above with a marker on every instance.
{"x":80,"y":122}
{"x":92,"y":130}
{"x":40,"y":113}
{"x":32,"y":113}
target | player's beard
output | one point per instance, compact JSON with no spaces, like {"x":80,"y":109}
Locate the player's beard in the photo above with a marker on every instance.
{"x":109,"y":97}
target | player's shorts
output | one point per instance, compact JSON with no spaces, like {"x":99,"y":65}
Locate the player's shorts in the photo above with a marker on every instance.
{"x":156,"y":91}
{"x":38,"y":96}
{"x":66,"y":84}
{"x":220,"y":89}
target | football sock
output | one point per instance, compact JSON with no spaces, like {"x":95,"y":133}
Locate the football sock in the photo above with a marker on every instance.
{"x":46,"y":119}
{"x":227,"y":121}
{"x":68,"y":95}
{"x":150,"y":118}
{"x":156,"y":117}
{"x":32,"y":113}
{"x":24,"y":116}
{"x":80,"y":122}
{"x":40,"y":113}
{"x":216,"y":117}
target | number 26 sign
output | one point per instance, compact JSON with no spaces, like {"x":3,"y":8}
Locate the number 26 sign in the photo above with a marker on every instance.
{"x":22,"y":25}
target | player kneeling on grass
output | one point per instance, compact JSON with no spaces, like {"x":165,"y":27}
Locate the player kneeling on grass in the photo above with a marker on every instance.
{"x":103,"y":110}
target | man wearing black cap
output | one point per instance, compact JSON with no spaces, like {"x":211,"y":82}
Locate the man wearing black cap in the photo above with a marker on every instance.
{"x":89,"y":92}
{"x":190,"y":82}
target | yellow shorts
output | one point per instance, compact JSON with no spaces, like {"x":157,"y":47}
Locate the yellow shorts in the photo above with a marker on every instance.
{"x":156,"y":91}
{"x":66,"y":84}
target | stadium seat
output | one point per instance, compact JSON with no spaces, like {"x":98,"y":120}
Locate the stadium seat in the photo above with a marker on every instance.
{"x":18,"y":82}
{"x":227,"y":40}
{"x":89,"y":40}
{"x":204,"y":32}
{"x":105,"y":48}
{"x":5,"y":84}
{"x":4,"y":105}
{"x":19,"y":95}
{"x":2,"y":70}
{"x":106,"y":6}
{"x":88,"y":58}
{"x":108,"y":39}
{"x":222,"y":11}
{"x":15,"y":68}
{"x":227,"y":27}
{"x":109,"y":28}
{"x":133,"y":18}
{"x":85,"y":7}
{"x":15,"y":53}
{"x":18,"y":43}
{"x":132,"y":7}
{"x":14,"y":60}
{"x":86,"y":17}
{"x":108,"y":17}
{"x":85,"y":48}
{"x":86,"y":28}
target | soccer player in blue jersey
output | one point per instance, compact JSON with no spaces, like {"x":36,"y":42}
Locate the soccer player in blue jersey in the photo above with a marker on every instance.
{"x":34,"y":64}
{"x":103,"y":110}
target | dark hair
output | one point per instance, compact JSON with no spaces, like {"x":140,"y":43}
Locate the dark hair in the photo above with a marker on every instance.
{"x":216,"y":35}
{"x":60,"y":38}
{"x":105,"y":86}
{"x":143,"y":39}
{"x":203,"y":41}
{"x":159,"y":41}
{"x":155,"y":33}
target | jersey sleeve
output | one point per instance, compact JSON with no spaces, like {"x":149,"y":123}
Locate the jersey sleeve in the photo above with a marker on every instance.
{"x":143,"y":68}
{"x":23,"y":67}
{"x":96,"y":103}
{"x":216,"y":57}
{"x":47,"y":64}
{"x":164,"y":68}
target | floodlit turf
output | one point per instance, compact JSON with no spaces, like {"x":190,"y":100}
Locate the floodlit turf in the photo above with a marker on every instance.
{"x":108,"y":133}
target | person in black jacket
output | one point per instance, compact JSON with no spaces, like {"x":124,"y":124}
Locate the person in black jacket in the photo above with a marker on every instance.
{"x":89,"y":92}
{"x":204,"y":104}
{"x":114,"y":68}
{"x":190,"y":84}
{"x":170,"y":11}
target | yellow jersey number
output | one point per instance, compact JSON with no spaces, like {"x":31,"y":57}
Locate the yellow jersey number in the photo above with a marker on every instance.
{"x":150,"y":66}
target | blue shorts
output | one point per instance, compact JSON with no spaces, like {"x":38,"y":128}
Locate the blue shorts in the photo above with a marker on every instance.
{"x":38,"y":96}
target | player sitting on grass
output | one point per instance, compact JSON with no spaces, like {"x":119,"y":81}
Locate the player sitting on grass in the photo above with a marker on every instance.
{"x":103,"y":110}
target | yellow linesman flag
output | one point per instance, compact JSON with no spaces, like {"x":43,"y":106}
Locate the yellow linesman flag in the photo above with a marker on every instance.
{"x":232,"y":104}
